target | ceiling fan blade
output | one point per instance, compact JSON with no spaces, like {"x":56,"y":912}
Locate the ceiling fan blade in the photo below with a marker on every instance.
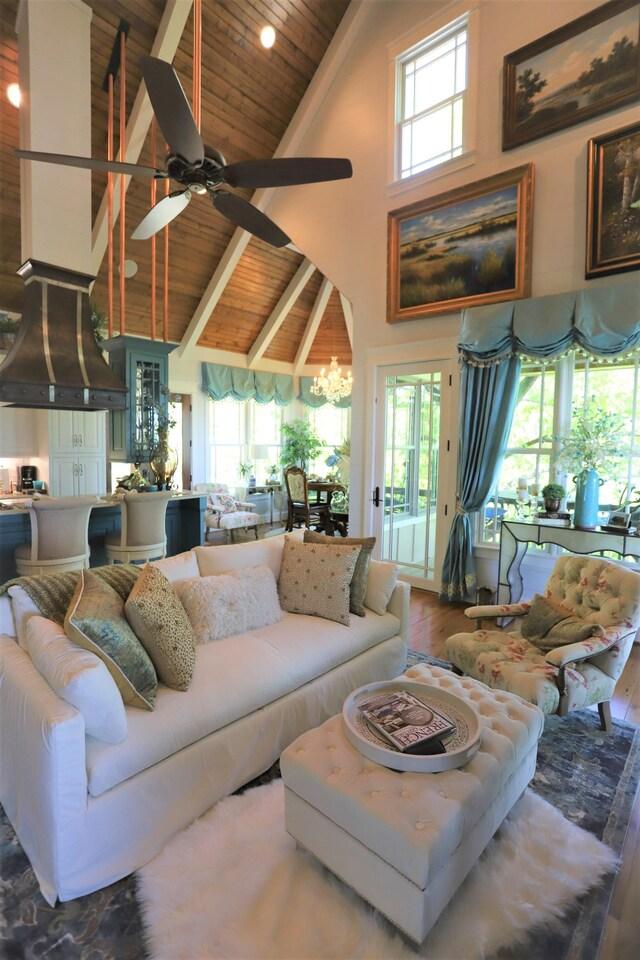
{"x":245,"y":215}
{"x":286,"y":171}
{"x":103,"y":166}
{"x":161,"y":214}
{"x":172,"y":109}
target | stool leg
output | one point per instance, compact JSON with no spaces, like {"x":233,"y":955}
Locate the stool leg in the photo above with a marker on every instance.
{"x":604,"y":709}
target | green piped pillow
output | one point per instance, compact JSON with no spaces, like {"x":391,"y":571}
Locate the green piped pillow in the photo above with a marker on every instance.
{"x":96,"y":621}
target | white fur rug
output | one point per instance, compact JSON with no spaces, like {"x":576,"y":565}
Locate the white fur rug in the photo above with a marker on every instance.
{"x":233,"y":885}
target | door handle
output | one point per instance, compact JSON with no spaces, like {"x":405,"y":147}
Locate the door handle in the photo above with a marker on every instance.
{"x":81,"y":470}
{"x":376,"y":497}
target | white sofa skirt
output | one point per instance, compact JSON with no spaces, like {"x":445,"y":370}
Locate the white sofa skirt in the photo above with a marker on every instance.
{"x":77,"y":843}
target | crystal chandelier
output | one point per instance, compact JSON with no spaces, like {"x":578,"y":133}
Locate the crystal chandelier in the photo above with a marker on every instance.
{"x":332,"y":384}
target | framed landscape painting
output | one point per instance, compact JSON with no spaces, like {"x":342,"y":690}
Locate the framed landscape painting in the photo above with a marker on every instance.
{"x":613,"y":202}
{"x":589,"y":66}
{"x":463,"y":248}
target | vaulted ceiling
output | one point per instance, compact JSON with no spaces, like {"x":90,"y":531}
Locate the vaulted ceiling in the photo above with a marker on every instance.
{"x":249,"y":96}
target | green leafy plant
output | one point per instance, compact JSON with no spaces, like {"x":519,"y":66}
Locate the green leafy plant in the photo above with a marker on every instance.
{"x":300,"y":444}
{"x":553,"y":491}
{"x":245,"y":470}
{"x":99,"y":323}
{"x":595,"y":440}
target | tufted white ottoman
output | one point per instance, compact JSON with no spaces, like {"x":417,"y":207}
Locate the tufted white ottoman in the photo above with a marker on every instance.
{"x":406,"y":841}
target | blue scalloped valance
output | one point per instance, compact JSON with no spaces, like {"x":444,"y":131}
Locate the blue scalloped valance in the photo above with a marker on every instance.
{"x":310,"y":399}
{"x":604,"y":321}
{"x":220,"y":381}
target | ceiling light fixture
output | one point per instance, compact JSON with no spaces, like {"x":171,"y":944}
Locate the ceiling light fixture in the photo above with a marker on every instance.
{"x":14,"y":94}
{"x":332,"y":385}
{"x":267,"y":37}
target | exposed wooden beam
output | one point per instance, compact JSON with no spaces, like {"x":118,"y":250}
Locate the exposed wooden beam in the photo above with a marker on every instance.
{"x":344,"y":37}
{"x":166,"y":42}
{"x":348,"y":317}
{"x":279,"y":313}
{"x":316,"y":315}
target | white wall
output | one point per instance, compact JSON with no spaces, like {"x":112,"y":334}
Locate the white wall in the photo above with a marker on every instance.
{"x":344,"y":230}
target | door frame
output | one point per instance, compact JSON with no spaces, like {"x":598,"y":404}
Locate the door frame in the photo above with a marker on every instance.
{"x":442,"y":353}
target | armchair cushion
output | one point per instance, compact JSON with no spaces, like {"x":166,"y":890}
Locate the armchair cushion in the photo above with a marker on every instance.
{"x":495,"y":610}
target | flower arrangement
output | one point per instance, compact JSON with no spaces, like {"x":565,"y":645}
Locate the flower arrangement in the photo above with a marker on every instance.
{"x":595,"y":439}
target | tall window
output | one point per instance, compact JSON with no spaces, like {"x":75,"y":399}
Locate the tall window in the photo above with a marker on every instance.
{"x":332,"y":424}
{"x":243,"y":431}
{"x":430,"y":98}
{"x":547,"y":397}
{"x":265,"y":434}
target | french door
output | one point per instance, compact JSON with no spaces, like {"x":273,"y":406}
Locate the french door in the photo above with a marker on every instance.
{"x":414,"y":462}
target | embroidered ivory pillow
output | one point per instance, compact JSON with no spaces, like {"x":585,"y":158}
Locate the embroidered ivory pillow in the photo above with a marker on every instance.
{"x":162,"y":626}
{"x":358,"y":587}
{"x":316,"y":578}
{"x":232,"y":603}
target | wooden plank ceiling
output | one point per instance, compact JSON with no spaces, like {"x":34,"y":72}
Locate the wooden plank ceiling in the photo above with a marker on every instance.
{"x":249,"y":96}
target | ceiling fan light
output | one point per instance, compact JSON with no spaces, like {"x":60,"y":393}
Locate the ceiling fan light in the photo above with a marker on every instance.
{"x":14,"y":94}
{"x":267,"y":37}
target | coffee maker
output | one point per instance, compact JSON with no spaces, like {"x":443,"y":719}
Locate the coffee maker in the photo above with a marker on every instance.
{"x":27,"y":475}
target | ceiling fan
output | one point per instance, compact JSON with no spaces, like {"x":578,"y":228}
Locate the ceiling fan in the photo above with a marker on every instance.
{"x":200,"y":169}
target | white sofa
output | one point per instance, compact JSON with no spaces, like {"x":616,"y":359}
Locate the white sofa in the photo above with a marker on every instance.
{"x":88,"y":813}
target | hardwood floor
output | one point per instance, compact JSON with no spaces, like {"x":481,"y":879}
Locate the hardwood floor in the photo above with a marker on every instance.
{"x":431,"y":623}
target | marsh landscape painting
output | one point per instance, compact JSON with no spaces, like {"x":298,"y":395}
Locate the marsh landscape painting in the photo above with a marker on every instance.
{"x":613,"y":207}
{"x":465,"y":247}
{"x":585,"y":68}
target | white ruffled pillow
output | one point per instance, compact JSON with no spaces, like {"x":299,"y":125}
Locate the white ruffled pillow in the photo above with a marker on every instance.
{"x":224,"y":605}
{"x":79,"y":677}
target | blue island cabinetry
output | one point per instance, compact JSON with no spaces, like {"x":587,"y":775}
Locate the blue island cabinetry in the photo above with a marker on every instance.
{"x":184,"y":525}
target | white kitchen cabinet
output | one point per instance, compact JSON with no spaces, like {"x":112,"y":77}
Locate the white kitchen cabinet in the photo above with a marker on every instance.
{"x":72,"y":431}
{"x":77,"y":453}
{"x":79,"y":476}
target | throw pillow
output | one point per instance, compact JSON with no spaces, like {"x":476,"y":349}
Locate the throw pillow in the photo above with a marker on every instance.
{"x":95,"y":620}
{"x":569,"y":630}
{"x":162,"y":626}
{"x":225,"y":502}
{"x":79,"y":677}
{"x":181,"y":566}
{"x":361,"y":573}
{"x":228,"y":604}
{"x":542,"y":615}
{"x":383,"y":577}
{"x":316,"y":578}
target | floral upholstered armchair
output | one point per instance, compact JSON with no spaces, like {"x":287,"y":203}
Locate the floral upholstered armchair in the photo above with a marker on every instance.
{"x":226,"y":513}
{"x":587,"y":597}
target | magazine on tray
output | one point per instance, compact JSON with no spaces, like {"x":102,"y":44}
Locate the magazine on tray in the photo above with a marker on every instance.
{"x":404,"y":721}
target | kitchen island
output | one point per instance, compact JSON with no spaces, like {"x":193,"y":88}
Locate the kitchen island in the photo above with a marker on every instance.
{"x":184,"y":525}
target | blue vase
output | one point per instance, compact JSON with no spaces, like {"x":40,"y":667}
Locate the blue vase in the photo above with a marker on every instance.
{"x":588,"y":485}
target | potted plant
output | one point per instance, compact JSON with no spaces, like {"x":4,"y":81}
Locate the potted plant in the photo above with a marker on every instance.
{"x":300,"y":444}
{"x":592,"y":446}
{"x":552,"y":495}
{"x":246,"y":472}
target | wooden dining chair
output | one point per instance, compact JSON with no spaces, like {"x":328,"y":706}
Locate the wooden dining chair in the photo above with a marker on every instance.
{"x":299,"y":511}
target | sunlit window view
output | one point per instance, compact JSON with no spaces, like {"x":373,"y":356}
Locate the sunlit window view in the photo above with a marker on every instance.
{"x":547,"y":398}
{"x":432,"y":82}
{"x":412,"y":439}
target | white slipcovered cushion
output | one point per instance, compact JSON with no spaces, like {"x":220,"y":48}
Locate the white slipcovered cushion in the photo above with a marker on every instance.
{"x":78,"y":677}
{"x":23,"y":608}
{"x":223,"y":559}
{"x":232,"y":678}
{"x":7,"y":623}
{"x":382,"y":580}
{"x":182,"y":566}
{"x":220,"y":606}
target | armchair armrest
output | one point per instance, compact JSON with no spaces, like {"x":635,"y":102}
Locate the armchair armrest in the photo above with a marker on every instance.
{"x":496,"y":610}
{"x":245,"y":505}
{"x":585,"y":649}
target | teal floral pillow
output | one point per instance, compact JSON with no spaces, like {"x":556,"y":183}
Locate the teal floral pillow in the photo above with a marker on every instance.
{"x":96,"y":621}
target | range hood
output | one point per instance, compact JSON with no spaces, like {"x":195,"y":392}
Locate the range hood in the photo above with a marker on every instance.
{"x":55,"y":362}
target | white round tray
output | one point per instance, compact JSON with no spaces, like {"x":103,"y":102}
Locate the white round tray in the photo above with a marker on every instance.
{"x":460,"y":745}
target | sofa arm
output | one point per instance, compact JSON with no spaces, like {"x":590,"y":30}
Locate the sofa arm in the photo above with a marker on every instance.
{"x":399,"y":607}
{"x":495,"y":610}
{"x":43,"y":780}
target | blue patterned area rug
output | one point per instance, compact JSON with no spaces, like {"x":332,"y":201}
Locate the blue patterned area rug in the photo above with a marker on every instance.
{"x":591,"y":777}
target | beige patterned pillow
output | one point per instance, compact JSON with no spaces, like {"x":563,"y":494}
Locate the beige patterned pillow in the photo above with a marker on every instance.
{"x":162,"y":626}
{"x":316,"y":578}
{"x":358,"y":587}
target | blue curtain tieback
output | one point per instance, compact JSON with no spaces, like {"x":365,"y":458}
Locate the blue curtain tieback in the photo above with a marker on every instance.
{"x":461,"y":511}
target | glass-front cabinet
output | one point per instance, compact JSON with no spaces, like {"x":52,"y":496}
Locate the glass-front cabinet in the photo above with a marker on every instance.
{"x":144,"y":366}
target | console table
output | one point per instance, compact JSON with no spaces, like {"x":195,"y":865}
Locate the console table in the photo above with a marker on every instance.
{"x":516,"y":535}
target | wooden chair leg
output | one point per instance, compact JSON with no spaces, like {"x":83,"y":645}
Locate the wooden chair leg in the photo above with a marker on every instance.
{"x":255,"y":530}
{"x":604,"y":709}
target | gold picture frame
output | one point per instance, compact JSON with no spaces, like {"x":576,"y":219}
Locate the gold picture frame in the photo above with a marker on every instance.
{"x":463,"y":248}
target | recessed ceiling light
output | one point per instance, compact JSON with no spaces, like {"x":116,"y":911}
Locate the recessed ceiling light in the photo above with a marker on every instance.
{"x":130,"y":269}
{"x":14,"y":94}
{"x":267,"y":37}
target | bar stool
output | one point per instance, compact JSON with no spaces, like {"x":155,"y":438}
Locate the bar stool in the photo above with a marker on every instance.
{"x":142,"y":534}
{"x":59,"y":536}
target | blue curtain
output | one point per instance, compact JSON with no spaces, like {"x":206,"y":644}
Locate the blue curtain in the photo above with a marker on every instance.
{"x":220,"y":381}
{"x":311,"y":400}
{"x":488,"y":398}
